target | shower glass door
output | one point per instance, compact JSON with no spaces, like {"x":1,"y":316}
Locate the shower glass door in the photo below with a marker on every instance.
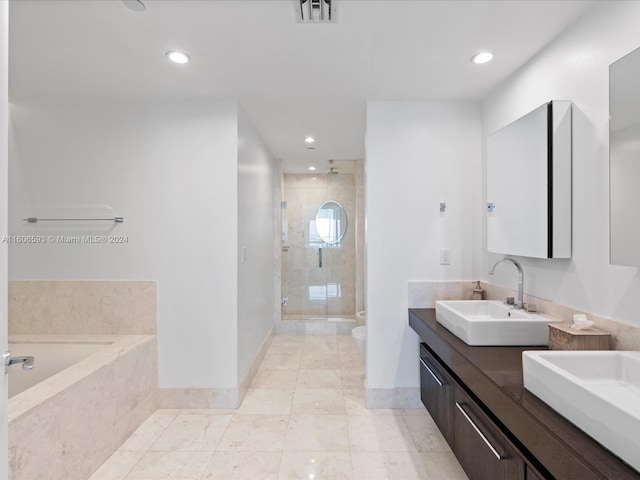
{"x":318,"y":278}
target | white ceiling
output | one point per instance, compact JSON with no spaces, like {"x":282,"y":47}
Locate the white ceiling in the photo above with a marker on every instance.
{"x":292,"y":79}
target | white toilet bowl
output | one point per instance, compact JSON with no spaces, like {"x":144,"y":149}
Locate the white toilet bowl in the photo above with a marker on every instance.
{"x":359,"y":334}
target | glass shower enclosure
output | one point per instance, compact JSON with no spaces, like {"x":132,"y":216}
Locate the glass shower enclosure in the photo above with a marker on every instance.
{"x":318,"y":242}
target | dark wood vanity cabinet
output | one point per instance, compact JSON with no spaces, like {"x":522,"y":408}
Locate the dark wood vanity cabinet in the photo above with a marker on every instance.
{"x":481,"y":449}
{"x":437,"y":393}
{"x":483,"y":452}
{"x":531,"y":475}
{"x":495,"y":427}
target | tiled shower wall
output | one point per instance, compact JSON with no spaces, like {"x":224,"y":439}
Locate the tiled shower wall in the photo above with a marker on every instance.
{"x":302,"y":281}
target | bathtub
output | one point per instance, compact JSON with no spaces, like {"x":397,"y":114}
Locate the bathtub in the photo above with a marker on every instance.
{"x":85,"y":395}
{"x":51,"y":358}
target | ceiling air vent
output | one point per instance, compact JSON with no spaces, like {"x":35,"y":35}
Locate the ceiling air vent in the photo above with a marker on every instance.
{"x":316,"y":11}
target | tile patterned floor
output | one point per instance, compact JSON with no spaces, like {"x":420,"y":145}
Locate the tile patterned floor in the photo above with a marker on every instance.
{"x":303,"y":418}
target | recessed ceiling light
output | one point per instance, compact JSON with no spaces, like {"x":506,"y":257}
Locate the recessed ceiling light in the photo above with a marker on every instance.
{"x":482,"y":57}
{"x":178,"y":57}
{"x":312,"y":168}
{"x":310,"y":140}
{"x":135,"y":5}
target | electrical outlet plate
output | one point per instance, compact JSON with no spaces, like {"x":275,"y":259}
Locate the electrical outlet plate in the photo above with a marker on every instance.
{"x":445,"y":256}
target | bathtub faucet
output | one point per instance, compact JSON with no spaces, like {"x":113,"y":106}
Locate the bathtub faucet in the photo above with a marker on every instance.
{"x":27,"y":362}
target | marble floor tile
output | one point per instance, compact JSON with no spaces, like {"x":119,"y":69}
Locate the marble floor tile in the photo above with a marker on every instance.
{"x":311,"y":379}
{"x":425,"y":434}
{"x":352,"y":363}
{"x":320,"y":361}
{"x":440,"y":465}
{"x":345,"y":340}
{"x":316,"y":465}
{"x":117,"y":466}
{"x":266,"y":401}
{"x":390,"y":466}
{"x":317,"y":433}
{"x":275,"y":379}
{"x":193,"y":433}
{"x":320,"y":344}
{"x":148,"y":432}
{"x":170,"y":466}
{"x":286,"y":348}
{"x":352,"y":380}
{"x":208,"y":411}
{"x":379,"y":433}
{"x":288,"y":340}
{"x":318,"y":402}
{"x":250,"y":465}
{"x":348,"y":346}
{"x":281,"y":361}
{"x":303,"y":417}
{"x":260,"y":433}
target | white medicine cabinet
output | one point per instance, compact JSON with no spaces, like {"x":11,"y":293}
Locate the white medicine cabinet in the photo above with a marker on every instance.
{"x":529,"y":184}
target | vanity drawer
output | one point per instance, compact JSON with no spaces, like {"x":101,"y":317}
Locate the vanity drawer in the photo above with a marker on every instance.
{"x":436,"y":392}
{"x":481,"y":449}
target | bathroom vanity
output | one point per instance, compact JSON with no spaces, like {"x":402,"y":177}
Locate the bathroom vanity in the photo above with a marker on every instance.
{"x":496,"y":428}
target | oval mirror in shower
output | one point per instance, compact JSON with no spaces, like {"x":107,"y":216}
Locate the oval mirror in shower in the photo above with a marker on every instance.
{"x":331,"y":222}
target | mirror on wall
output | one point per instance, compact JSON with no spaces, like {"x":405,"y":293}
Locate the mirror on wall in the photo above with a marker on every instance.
{"x":624,"y":160}
{"x":331,"y":222}
{"x":529,"y":184}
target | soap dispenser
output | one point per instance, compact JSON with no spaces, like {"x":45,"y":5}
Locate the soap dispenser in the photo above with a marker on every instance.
{"x":478,"y":292}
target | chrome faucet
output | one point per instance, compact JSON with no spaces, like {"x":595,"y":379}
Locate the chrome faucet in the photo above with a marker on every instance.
{"x":519,"y":304}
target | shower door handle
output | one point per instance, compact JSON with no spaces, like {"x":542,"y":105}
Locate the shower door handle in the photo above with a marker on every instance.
{"x":320,"y":258}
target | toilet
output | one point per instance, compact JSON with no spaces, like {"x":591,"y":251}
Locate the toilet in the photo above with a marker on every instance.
{"x":359,"y":333}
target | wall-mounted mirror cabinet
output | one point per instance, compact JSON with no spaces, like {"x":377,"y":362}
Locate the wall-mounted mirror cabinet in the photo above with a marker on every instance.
{"x":529,"y":184}
{"x":624,"y":160}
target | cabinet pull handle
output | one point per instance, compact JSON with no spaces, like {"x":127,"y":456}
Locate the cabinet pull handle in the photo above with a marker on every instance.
{"x":432,"y":374}
{"x":475,"y":427}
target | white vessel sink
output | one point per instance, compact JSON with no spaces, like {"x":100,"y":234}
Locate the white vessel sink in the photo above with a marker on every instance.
{"x":491,"y":322}
{"x":598,"y":391}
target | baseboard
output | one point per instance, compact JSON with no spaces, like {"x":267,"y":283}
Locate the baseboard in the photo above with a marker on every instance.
{"x":247,"y":378}
{"x":400,"y":397}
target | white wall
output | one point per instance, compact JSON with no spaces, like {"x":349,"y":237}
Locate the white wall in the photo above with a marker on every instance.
{"x":170,"y":169}
{"x":575,"y":67}
{"x":418,"y":154}
{"x":256,"y":174}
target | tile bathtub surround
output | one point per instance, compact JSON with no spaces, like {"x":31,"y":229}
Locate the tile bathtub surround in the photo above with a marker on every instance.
{"x":82,"y":307}
{"x":66,"y":426}
{"x":303,"y":417}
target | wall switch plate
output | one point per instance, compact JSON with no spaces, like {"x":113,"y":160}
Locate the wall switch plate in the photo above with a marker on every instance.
{"x":445,"y":256}
{"x":243,"y":254}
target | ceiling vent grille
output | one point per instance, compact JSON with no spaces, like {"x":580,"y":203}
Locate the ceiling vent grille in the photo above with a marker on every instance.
{"x":316,"y":11}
